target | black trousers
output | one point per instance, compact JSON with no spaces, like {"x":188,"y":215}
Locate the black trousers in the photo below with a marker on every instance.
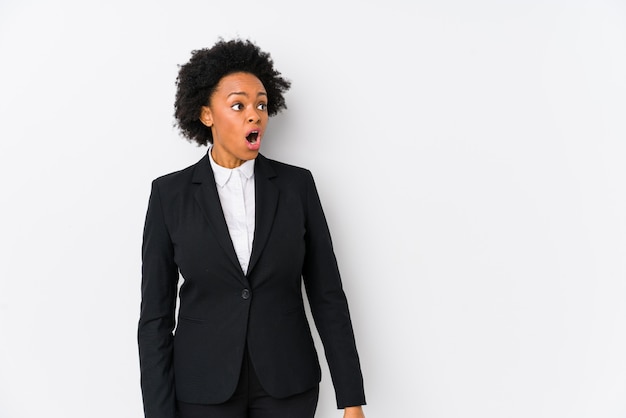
{"x":251,"y":401}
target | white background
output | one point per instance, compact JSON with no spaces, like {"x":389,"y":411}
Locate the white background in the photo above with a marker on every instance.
{"x":470,"y":156}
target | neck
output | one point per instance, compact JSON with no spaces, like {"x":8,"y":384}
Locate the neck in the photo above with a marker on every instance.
{"x":224,"y":162}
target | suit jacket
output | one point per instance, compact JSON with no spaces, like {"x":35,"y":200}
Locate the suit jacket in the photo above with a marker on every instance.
{"x":222,"y":309}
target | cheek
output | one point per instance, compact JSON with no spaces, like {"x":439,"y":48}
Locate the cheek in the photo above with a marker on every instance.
{"x":225,"y":123}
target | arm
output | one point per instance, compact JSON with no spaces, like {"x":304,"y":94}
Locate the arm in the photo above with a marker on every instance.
{"x":330,"y":308}
{"x":156,"y":322}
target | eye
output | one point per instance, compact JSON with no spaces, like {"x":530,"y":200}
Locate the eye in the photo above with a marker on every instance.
{"x":237,"y":106}
{"x":262,"y":106}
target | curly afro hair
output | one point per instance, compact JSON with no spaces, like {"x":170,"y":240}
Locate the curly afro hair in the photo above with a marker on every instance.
{"x":198,"y":79}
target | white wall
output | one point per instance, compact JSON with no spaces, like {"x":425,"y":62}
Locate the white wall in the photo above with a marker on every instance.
{"x":470,"y":157}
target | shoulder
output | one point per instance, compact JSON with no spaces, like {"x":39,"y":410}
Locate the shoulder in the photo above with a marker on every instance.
{"x":282,"y":169}
{"x":178,"y":178}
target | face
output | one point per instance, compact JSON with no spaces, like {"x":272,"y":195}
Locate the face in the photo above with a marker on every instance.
{"x":237,"y":116}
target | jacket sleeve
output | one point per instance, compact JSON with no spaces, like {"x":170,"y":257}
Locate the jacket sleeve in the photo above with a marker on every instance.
{"x":156,"y":323}
{"x":329,"y":305}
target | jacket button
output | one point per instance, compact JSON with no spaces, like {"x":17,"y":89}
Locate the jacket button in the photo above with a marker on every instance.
{"x":245,"y":294}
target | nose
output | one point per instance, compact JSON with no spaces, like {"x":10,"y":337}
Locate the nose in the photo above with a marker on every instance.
{"x":253,"y":116}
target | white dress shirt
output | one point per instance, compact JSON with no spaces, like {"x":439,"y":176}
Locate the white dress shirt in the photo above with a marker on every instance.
{"x":235,"y":187}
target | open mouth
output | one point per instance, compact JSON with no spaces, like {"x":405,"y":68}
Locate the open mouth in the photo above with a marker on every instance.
{"x":252,"y":137}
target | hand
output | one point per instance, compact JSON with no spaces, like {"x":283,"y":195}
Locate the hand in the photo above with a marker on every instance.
{"x":353,"y":412}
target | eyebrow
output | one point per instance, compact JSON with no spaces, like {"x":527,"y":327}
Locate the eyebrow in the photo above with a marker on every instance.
{"x":261,"y":93}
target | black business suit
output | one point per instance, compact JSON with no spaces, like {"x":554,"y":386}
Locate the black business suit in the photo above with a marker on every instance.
{"x":223,"y":310}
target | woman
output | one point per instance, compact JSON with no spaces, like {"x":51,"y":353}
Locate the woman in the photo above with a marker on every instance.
{"x":243,"y":231}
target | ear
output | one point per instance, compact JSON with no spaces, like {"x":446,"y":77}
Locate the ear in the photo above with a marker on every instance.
{"x":206,"y":117}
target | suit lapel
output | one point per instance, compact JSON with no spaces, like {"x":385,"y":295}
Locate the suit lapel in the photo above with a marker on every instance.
{"x":208,"y":199}
{"x":266,"y":201}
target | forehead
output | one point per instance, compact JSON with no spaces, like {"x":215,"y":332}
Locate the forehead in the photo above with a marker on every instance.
{"x":240,"y":82}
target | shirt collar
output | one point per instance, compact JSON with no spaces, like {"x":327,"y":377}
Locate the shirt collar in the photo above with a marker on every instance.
{"x":222,"y":174}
